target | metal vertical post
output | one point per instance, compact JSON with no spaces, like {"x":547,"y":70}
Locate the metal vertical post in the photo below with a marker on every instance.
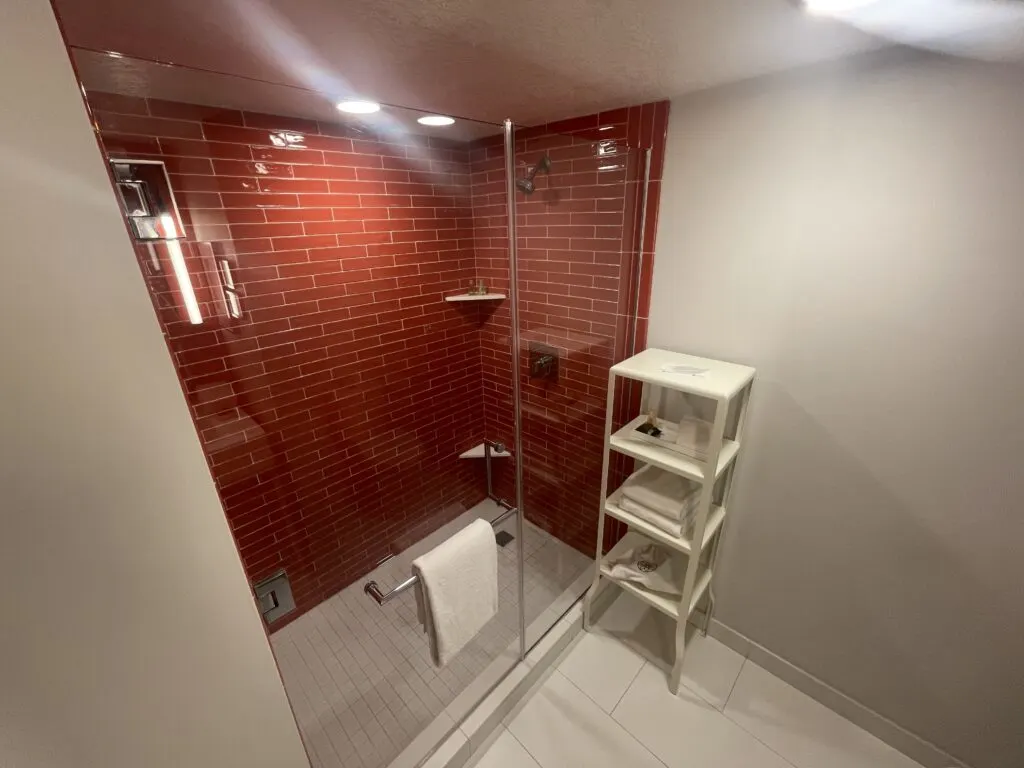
{"x":517,"y":410}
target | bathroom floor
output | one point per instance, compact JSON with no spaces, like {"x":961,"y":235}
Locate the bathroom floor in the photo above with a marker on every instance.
{"x":359,"y":675}
{"x":607,"y":705}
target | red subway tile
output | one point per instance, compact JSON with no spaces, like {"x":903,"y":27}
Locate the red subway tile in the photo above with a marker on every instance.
{"x":279,"y":123}
{"x":287,"y":156}
{"x":251,"y":168}
{"x":244,"y":231}
{"x":211,"y":149}
{"x":196,"y":112}
{"x":123,"y":145}
{"x":305,"y":241}
{"x":352,"y":160}
{"x":292,"y":185}
{"x":147,"y":126}
{"x":259,"y":200}
{"x":115,"y":102}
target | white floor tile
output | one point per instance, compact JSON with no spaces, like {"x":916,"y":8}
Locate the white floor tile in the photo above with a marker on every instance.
{"x":710,"y":669}
{"x":602,"y":668}
{"x":808,"y":734}
{"x":506,"y":752}
{"x":562,"y":728}
{"x":454,"y":747}
{"x":685,"y":730}
{"x":635,"y":624}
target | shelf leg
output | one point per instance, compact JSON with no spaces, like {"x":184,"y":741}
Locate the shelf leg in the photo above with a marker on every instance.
{"x":588,"y":603}
{"x":710,"y":609}
{"x":676,"y":679}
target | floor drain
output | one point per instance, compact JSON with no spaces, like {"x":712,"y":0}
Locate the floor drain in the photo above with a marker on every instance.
{"x":504,"y":538}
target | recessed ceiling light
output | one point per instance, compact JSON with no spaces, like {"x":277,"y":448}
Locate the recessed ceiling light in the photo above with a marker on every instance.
{"x":827,"y":7}
{"x":359,"y":107}
{"x":435,"y":120}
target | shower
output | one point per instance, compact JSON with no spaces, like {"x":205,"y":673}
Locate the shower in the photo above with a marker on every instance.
{"x":526,"y":184}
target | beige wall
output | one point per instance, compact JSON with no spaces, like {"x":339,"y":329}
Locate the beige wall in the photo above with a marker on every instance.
{"x":128,"y":636}
{"x":857,"y":234}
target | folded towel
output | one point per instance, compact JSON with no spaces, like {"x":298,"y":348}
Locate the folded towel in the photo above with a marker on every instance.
{"x":662,"y":492}
{"x":649,"y":565}
{"x":666,"y":524}
{"x":458,"y":589}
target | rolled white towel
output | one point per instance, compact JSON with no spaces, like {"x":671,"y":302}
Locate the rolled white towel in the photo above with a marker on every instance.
{"x":663,"y":492}
{"x":666,"y":524}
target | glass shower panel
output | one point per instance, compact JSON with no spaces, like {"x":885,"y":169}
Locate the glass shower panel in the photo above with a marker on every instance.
{"x":579,"y":199}
{"x":302,"y":271}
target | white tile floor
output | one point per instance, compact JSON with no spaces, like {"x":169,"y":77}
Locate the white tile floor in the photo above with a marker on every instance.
{"x":359,"y":675}
{"x":606,"y":706}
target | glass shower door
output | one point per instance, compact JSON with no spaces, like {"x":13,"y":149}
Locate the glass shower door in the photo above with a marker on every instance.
{"x":314,"y":273}
{"x":578,"y":199}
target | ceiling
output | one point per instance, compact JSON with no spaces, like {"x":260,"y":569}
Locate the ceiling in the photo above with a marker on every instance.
{"x":146,"y":79}
{"x":532,"y":60}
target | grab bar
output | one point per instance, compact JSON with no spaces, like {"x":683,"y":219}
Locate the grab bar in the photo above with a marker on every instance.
{"x":373,"y":589}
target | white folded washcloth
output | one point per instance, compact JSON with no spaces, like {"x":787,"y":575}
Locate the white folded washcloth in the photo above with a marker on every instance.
{"x":663,"y":492}
{"x":458,"y":589}
{"x":666,"y":524}
{"x":650,"y":565}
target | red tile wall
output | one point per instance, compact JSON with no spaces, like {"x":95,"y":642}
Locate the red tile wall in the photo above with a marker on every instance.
{"x":333,"y":411}
{"x":579,"y":249}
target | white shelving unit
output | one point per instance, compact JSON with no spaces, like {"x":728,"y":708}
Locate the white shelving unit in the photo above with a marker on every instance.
{"x":729,"y":386}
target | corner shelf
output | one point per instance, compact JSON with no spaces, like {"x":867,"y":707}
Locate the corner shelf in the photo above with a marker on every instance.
{"x":476,"y":297}
{"x":477,"y":452}
{"x":726,"y":384}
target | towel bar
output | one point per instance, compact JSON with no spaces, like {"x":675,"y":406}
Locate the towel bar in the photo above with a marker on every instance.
{"x":373,"y":589}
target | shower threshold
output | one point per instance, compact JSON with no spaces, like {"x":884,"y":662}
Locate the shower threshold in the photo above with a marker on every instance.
{"x":359,"y":676}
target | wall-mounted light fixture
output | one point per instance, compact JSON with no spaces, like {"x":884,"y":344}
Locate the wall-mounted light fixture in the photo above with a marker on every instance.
{"x":833,"y":7}
{"x":148,"y":203}
{"x":358,"y":107}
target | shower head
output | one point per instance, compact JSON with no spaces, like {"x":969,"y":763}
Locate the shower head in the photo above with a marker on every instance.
{"x":526,"y":184}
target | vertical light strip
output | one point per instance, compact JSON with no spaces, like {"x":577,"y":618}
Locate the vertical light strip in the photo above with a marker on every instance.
{"x":188,"y":295}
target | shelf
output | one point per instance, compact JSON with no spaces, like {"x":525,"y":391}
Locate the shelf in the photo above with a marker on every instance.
{"x":722,"y":380}
{"x":625,"y":442}
{"x":477,"y":452}
{"x":660,"y":602}
{"x":681,"y":544}
{"x":476,"y":297}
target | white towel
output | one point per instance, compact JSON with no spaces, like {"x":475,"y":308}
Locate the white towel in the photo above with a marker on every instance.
{"x":663,"y":492}
{"x":666,"y":524}
{"x":459,"y":589}
{"x":650,"y":565}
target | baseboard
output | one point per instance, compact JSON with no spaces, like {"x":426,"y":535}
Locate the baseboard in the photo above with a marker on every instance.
{"x":897,"y":737}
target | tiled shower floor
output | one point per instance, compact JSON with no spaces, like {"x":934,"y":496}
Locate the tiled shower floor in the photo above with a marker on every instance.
{"x":359,"y":675}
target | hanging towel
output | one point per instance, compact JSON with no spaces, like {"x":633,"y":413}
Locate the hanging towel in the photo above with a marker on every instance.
{"x":666,"y":524}
{"x":458,"y":589}
{"x":662,"y":492}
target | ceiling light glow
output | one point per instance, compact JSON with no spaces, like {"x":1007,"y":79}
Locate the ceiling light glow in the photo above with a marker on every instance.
{"x":832,"y":7}
{"x":359,"y":107}
{"x":435,"y":120}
